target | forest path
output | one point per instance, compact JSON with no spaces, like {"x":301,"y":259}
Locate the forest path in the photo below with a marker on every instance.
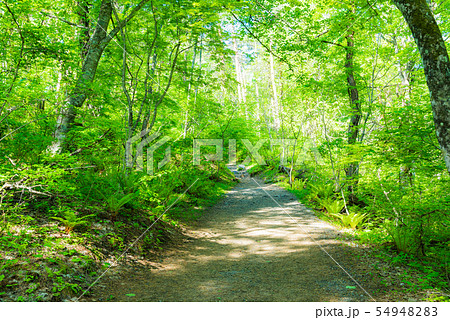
{"x":247,"y":248}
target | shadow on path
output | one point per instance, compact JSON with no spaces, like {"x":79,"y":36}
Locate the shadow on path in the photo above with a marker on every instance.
{"x":246,"y":248}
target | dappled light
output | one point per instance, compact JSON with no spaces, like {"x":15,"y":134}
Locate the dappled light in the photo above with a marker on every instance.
{"x":226,"y":150}
{"x":254,"y":253}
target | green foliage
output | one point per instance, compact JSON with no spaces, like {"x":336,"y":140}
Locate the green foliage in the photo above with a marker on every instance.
{"x":401,"y":177}
{"x":298,"y":184}
{"x":352,"y":220}
{"x":70,"y":218}
{"x":116,"y":201}
{"x":115,"y":241}
{"x":256,"y":169}
{"x":322,"y":191}
{"x":404,"y":237}
{"x":333,"y":207}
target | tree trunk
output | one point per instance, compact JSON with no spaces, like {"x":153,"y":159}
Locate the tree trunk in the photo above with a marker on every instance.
{"x":275,"y":111}
{"x":97,"y":43}
{"x":258,"y":105}
{"x":89,"y":67}
{"x":436,"y":63}
{"x":238,"y":71}
{"x":404,"y":72}
{"x":406,"y":176}
{"x":186,"y":118}
{"x":83,"y":37}
{"x":353,"y":127}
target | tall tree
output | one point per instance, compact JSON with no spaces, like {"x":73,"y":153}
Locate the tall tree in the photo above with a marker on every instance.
{"x":353,"y":127}
{"x":436,"y":64}
{"x":97,"y":44}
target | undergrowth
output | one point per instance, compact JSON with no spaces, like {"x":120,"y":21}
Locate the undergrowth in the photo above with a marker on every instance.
{"x":61,"y":232}
{"x":405,"y":232}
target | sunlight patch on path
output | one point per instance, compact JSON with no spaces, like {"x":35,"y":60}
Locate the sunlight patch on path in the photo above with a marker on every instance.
{"x":246,"y":248}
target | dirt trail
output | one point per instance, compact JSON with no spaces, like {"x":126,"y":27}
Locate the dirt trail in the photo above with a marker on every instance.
{"x":246,"y":248}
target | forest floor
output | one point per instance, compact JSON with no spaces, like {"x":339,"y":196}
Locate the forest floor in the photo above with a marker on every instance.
{"x":256,"y":244}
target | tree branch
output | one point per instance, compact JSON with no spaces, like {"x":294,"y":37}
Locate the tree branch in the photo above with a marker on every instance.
{"x":169,"y":81}
{"x":257,"y":39}
{"x":93,"y":144}
{"x":63,"y":20}
{"x":123,"y":23}
{"x":16,"y":71}
{"x":335,"y":44}
{"x":17,"y":185}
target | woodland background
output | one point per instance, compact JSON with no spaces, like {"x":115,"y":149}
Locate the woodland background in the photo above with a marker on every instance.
{"x":343,"y":79}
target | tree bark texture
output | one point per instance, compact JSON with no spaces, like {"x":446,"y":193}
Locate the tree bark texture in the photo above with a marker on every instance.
{"x":436,"y":64}
{"x":97,"y":44}
{"x":353,"y":128}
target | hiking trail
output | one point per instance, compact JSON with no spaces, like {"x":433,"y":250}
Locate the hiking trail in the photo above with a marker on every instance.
{"x":246,"y":248}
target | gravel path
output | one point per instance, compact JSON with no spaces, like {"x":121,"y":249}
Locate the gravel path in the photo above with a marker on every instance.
{"x":247,"y":248}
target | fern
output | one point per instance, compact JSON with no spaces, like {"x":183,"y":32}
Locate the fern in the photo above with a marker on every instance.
{"x":298,"y":184}
{"x":404,"y":237}
{"x":71,"y":220}
{"x":323,"y":191}
{"x":352,"y":220}
{"x":116,"y":201}
{"x":333,"y":207}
